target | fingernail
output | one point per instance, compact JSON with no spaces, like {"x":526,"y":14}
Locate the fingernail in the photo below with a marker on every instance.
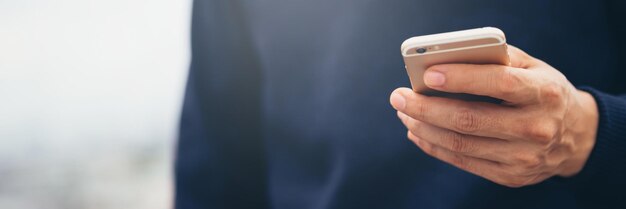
{"x":434,"y":78}
{"x":397,"y":101}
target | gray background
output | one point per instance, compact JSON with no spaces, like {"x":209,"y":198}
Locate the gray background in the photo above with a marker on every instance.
{"x":90,"y":95}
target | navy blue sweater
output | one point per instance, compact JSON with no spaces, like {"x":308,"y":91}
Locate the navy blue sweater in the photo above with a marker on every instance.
{"x":287,"y":103}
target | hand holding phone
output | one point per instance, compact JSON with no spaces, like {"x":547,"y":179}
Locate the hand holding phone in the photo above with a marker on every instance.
{"x":546,"y":127}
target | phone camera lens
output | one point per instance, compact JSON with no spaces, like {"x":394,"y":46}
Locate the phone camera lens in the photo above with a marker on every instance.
{"x":421,"y":50}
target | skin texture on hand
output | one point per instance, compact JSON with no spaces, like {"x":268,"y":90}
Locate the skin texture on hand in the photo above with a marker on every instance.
{"x":544,"y":127}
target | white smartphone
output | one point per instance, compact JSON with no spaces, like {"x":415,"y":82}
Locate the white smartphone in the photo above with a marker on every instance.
{"x":475,"y":46}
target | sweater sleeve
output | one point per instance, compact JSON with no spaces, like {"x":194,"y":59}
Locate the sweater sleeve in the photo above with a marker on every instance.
{"x":605,"y":170}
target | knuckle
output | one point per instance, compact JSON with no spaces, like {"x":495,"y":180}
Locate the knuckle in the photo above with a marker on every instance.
{"x":533,"y":165}
{"x":541,"y":132}
{"x":516,"y":171}
{"x":552,"y":92}
{"x":458,"y":142}
{"x":466,"y":121}
{"x":528,"y":163}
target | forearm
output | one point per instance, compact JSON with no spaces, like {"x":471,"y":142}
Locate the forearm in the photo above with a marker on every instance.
{"x":605,"y":168}
{"x":608,"y":157}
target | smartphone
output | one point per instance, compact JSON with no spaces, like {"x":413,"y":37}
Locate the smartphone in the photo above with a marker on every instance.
{"x":475,"y":46}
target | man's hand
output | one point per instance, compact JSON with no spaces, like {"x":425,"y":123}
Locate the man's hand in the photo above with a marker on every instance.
{"x":544,"y":127}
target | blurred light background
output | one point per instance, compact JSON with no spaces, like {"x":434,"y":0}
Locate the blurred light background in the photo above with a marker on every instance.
{"x":90,"y":95}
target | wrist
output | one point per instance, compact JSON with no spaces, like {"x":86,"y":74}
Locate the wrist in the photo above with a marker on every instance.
{"x":584,"y":131}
